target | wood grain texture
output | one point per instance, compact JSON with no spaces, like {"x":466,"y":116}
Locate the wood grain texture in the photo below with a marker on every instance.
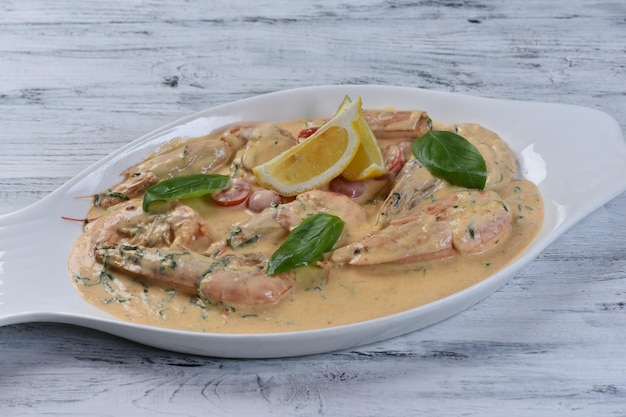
{"x":80,"y":79}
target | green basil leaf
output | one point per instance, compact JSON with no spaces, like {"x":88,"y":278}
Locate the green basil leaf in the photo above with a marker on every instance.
{"x":307,"y":243}
{"x":184,"y":187}
{"x":451,"y":157}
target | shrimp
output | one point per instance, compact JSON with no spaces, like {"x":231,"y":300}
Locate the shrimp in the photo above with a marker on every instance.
{"x":229,"y":271}
{"x":194,"y":157}
{"x":500,"y":160}
{"x":397,"y":124}
{"x":413,"y":184}
{"x":464,"y":221}
{"x":275,"y":222}
{"x":175,"y":225}
{"x":200,"y":156}
{"x":263,"y":142}
{"x":166,"y":246}
{"x":233,"y":280}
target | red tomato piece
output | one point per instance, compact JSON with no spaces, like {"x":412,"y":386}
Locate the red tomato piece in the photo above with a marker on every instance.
{"x":237,"y":193}
{"x":394,"y":160}
{"x":305,"y":133}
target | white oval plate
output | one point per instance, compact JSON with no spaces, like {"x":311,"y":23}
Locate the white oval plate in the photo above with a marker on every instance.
{"x":576,"y":155}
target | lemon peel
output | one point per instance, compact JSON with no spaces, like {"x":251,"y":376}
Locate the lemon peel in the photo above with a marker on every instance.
{"x":368,"y":161}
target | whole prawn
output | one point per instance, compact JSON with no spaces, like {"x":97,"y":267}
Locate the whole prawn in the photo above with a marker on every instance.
{"x":203,"y":155}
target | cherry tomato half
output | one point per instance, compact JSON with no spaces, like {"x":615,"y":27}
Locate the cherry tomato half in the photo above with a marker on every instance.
{"x":235,"y":194}
{"x":306,"y":132}
{"x":394,"y":160}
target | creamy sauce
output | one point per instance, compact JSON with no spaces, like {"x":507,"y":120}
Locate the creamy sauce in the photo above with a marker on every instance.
{"x":346,"y":294}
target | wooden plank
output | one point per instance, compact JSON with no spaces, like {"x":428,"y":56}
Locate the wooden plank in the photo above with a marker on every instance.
{"x":81,"y":79}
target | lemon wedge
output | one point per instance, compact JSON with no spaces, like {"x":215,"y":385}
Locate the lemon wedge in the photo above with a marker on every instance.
{"x":315,"y":161}
{"x":368,"y":161}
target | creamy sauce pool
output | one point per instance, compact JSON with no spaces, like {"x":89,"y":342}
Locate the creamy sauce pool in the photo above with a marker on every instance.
{"x":346,"y":294}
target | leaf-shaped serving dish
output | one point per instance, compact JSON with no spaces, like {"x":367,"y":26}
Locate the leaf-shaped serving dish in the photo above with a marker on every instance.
{"x":576,"y":155}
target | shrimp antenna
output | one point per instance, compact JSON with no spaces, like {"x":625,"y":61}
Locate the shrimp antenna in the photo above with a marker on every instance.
{"x":84,"y":221}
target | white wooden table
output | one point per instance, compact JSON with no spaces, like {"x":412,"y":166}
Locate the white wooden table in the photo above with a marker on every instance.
{"x":80,"y":79}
